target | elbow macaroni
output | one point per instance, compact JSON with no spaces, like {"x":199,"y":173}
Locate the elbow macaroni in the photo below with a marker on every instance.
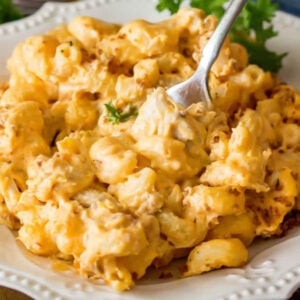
{"x":114,"y":199}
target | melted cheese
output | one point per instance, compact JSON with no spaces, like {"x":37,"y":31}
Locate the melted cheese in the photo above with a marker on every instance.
{"x":114,"y":199}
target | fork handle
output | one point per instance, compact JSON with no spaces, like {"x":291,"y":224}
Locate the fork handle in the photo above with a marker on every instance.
{"x":196,"y":87}
{"x":212,"y":48}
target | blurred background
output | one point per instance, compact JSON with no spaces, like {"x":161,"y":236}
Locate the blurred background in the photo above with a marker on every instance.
{"x":291,"y":6}
{"x":15,"y":9}
{"x":29,"y":6}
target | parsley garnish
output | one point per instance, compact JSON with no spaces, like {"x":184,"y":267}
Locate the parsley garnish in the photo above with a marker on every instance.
{"x":116,"y":116}
{"x":253,"y":28}
{"x":8,"y":12}
{"x":171,"y":5}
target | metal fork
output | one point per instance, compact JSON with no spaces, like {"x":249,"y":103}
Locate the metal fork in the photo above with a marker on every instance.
{"x":195,"y":89}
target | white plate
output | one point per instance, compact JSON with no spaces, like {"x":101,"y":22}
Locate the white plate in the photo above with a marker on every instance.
{"x":273,"y":271}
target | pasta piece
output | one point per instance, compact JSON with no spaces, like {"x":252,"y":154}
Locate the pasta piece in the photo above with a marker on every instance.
{"x":146,"y":73}
{"x":151,"y":39}
{"x":290,"y":135}
{"x":177,"y":163}
{"x":90,"y":31}
{"x":219,"y":201}
{"x":138,"y":192}
{"x":6,"y":217}
{"x":287,"y":159}
{"x":21,"y":132}
{"x":215,"y":254}
{"x":81,"y":113}
{"x":182,"y":232}
{"x":271,"y":207}
{"x":113,"y":159}
{"x":156,"y":249}
{"x":35,"y":55}
{"x":245,"y":165}
{"x":235,"y":226}
{"x":128,"y":89}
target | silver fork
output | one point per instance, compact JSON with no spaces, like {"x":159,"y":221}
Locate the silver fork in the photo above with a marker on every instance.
{"x":195,"y":89}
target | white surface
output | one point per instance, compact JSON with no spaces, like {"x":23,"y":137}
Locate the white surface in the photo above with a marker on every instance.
{"x":274,"y":268}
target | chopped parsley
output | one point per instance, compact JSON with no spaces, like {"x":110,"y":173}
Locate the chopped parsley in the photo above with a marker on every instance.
{"x":116,"y":116}
{"x":253,"y":28}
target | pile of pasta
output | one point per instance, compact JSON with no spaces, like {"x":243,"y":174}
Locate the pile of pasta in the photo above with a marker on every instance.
{"x":115,"y":196}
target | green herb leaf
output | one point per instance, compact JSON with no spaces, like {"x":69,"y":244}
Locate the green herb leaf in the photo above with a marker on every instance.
{"x":115,"y":116}
{"x":261,"y":56}
{"x":8,"y":12}
{"x":171,"y":5}
{"x":214,"y":7}
{"x":253,"y":28}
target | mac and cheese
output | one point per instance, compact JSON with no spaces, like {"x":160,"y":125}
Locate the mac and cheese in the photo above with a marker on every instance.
{"x":114,"y":197}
